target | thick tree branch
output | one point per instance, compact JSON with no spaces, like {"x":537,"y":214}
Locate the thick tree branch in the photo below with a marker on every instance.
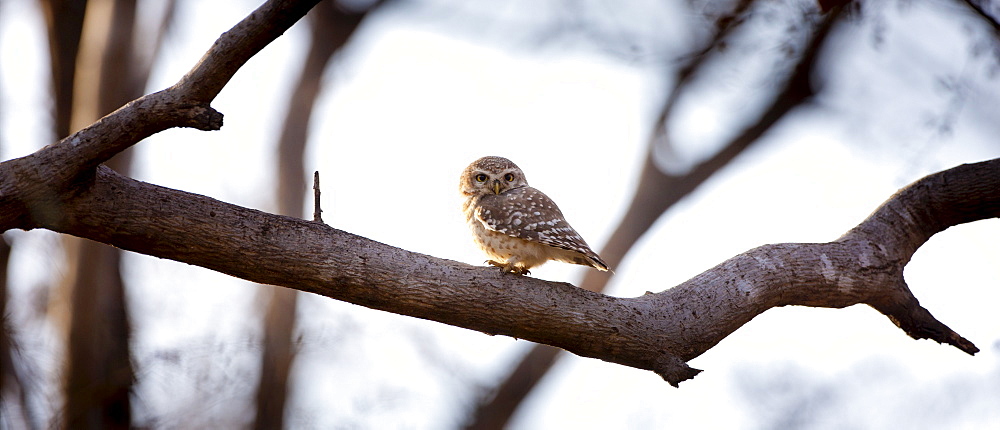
{"x":658,"y":332}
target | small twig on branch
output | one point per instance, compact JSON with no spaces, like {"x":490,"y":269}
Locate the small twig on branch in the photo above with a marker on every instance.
{"x":317,"y":211}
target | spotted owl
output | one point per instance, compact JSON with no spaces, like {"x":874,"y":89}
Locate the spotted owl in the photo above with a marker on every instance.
{"x":518,"y":226}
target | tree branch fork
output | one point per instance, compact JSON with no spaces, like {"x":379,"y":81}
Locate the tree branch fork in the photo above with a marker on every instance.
{"x":63,"y":188}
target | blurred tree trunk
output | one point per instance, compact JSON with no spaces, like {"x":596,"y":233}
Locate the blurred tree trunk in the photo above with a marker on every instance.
{"x":14,"y":412}
{"x":108,"y":74}
{"x":98,"y":373}
{"x":98,"y":364}
{"x":13,"y":393}
{"x":658,"y":191}
{"x":331,"y":28}
{"x":64,"y":25}
{"x":64,"y":21}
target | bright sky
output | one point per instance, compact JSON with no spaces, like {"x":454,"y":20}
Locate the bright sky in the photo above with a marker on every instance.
{"x":408,"y":107}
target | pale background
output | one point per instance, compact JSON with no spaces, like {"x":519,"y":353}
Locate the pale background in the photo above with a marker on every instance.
{"x":413,"y":100}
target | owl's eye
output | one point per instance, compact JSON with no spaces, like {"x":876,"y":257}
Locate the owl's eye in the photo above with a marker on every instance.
{"x":481,"y":177}
{"x":509,"y":177}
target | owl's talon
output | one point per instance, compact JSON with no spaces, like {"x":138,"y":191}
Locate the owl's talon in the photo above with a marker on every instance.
{"x":508,"y":268}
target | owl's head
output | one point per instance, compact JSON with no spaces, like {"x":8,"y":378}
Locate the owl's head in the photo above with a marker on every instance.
{"x":491,"y":175}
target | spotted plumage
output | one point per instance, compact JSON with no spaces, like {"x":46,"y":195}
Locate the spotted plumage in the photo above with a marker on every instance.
{"x":517,"y":226}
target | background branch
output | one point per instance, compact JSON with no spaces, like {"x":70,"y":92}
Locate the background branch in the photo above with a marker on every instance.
{"x":657,"y":191}
{"x":330,"y":29}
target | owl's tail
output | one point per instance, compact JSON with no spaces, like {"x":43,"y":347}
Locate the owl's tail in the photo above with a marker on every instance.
{"x":593,"y":260}
{"x":599,"y":264}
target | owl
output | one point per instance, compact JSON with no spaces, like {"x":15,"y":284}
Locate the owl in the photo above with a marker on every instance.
{"x":518,"y":226}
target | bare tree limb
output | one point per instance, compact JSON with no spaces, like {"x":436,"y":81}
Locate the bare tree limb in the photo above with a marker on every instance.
{"x":235,"y":47}
{"x":658,"y":332}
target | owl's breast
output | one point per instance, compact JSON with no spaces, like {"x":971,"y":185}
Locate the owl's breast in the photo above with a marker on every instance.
{"x":495,"y":244}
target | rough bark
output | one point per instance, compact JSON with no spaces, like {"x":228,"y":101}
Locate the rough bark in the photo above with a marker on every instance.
{"x":657,"y":331}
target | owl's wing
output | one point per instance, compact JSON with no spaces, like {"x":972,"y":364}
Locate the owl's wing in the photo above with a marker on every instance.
{"x":529,"y":214}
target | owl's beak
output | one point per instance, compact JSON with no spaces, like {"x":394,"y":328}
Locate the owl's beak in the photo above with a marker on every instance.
{"x":496,"y":187}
